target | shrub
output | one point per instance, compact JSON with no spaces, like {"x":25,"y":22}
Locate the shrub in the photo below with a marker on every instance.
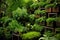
{"x":37,"y":27}
{"x":48,"y":33}
{"x":47,"y":38}
{"x":51,"y":19}
{"x":5,"y":32}
{"x":18,"y":13}
{"x":15,"y":26}
{"x":5,"y":19}
{"x":30,"y":35}
{"x":41,"y":19}
{"x":42,"y":4}
{"x":50,"y":5}
{"x":38,"y":11}
{"x":31,"y":17}
{"x":34,"y":5}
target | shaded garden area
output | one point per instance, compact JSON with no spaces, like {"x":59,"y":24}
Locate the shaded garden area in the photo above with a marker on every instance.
{"x":29,"y":19}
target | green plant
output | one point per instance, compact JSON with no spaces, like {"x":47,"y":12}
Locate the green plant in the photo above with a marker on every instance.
{"x":5,"y":19}
{"x":51,"y":20}
{"x":30,"y":35}
{"x":42,"y":0}
{"x":58,"y":29}
{"x":48,"y":38}
{"x":48,"y":33}
{"x":42,"y":4}
{"x":48,"y":1}
{"x":43,"y":12}
{"x":34,"y":5}
{"x":29,"y":3}
{"x":13,"y":4}
{"x":1,"y":31}
{"x":19,"y":29}
{"x":57,"y":36}
{"x":5,"y":32}
{"x":28,"y":25}
{"x":37,"y":27}
{"x":38,"y":11}
{"x":41,"y":19}
{"x":18,"y":13}
{"x":31,"y":17}
{"x":50,"y":5}
{"x":21,"y":21}
{"x":58,"y":19}
{"x":15,"y":26}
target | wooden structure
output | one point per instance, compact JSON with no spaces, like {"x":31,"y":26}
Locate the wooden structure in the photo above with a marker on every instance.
{"x":49,"y":10}
{"x":50,"y":13}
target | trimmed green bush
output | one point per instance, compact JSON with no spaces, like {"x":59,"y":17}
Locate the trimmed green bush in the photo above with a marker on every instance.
{"x":15,"y":26}
{"x":30,"y":35}
{"x":51,"y":19}
{"x":18,"y":13}
{"x":37,"y":27}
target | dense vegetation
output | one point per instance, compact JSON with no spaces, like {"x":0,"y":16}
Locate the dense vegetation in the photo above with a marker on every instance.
{"x":25,"y":17}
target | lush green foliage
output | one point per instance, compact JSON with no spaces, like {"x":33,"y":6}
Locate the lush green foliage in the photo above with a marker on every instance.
{"x":30,"y":35}
{"x":48,"y":38}
{"x":21,"y":18}
{"x":5,"y":19}
{"x":31,"y":17}
{"x":37,"y":27}
{"x":57,"y":36}
{"x":14,"y":26}
{"x":58,"y":19}
{"x":38,"y":11}
{"x":48,"y":33}
{"x":5,"y":32}
{"x":41,"y":19}
{"x":51,"y":19}
{"x":51,"y":5}
{"x":18,"y":13}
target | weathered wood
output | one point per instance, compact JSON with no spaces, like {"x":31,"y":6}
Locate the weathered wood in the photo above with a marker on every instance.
{"x":48,"y":9}
{"x":52,"y":9}
{"x":55,"y":9}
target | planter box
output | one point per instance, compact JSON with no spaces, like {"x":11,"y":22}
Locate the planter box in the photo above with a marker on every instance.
{"x":55,"y":9}
{"x":52,"y":9}
{"x":48,"y":9}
